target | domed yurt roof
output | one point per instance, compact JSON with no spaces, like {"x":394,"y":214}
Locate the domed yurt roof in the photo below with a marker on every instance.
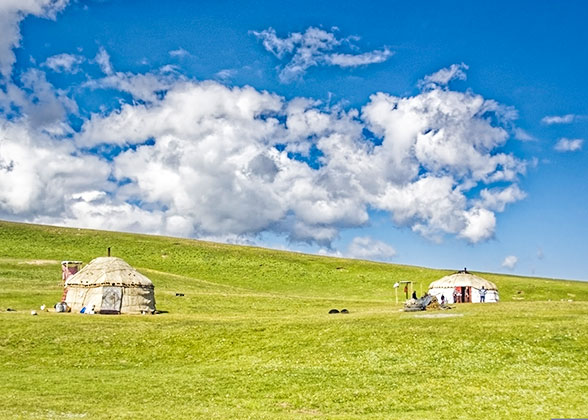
{"x":463,"y":278}
{"x":108,"y":271}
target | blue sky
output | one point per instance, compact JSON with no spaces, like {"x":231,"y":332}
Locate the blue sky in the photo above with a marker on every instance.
{"x":442,"y":135}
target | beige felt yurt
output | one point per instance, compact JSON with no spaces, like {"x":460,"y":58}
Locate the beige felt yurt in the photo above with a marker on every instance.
{"x":110,"y":286}
{"x":464,"y":287}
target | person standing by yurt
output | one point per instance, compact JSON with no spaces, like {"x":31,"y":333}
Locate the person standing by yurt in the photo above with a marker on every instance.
{"x":482,"y":294}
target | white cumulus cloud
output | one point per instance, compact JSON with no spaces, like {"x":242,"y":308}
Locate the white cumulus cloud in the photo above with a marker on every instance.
{"x":510,"y":262}
{"x":214,"y":161}
{"x":64,"y":63}
{"x":480,"y":225}
{"x":364,"y":247}
{"x":558,"y":119}
{"x":103,"y":60}
{"x":142,"y":86}
{"x":40,"y":175}
{"x":12,"y":12}
{"x":522,"y":135}
{"x":203,"y":159}
{"x":355,"y":60}
{"x":568,"y":145}
{"x":225,"y":74}
{"x":39,"y":102}
{"x":444,"y":76}
{"x":315,"y":47}
{"x":180,"y":52}
{"x":496,"y":199}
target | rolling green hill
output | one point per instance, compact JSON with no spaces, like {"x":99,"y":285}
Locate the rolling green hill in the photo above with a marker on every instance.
{"x":251,"y":338}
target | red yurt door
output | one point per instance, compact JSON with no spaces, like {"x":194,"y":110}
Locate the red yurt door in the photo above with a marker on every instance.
{"x":467,"y":294}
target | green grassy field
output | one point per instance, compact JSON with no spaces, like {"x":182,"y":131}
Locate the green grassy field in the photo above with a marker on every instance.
{"x":252,"y":338}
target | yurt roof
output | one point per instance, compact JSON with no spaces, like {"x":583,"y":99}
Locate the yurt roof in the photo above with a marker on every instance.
{"x":108,"y":271}
{"x":463,"y":279}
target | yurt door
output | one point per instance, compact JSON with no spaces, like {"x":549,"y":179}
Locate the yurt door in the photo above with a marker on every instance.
{"x":467,"y":294}
{"x":111,"y":300}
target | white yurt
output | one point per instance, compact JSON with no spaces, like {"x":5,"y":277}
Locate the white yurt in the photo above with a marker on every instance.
{"x":463,"y":286}
{"x":110,"y":286}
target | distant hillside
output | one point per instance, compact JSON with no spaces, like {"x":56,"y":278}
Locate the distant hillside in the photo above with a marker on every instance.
{"x":173,"y":262}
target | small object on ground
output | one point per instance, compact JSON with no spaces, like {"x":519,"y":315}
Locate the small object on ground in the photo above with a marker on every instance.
{"x":43,"y":308}
{"x":344,"y":311}
{"x":422,"y":304}
{"x":179,"y":294}
{"x":61,"y":307}
{"x":334,"y":311}
{"x":33,"y":313}
{"x":10,"y":310}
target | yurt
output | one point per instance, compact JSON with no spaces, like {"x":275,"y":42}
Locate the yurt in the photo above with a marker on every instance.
{"x":110,"y":286}
{"x":463,"y":286}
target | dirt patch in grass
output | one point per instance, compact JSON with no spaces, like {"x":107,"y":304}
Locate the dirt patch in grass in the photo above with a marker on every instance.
{"x":438,"y":315}
{"x":39,"y":262}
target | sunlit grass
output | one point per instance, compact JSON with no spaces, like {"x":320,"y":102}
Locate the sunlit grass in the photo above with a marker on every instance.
{"x":251,"y":338}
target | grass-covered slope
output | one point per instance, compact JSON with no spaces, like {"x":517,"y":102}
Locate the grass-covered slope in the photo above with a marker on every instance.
{"x":251,"y":338}
{"x":255,"y":269}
